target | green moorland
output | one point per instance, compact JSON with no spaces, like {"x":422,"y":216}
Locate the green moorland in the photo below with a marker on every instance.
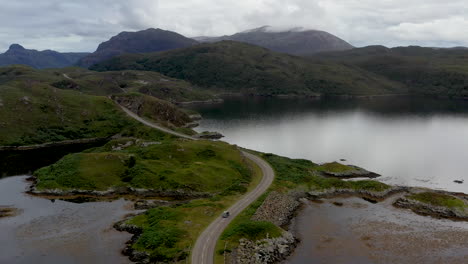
{"x":291,"y":175}
{"x":180,"y":226}
{"x":169,"y":164}
{"x":164,"y":163}
{"x":233,"y":67}
{"x":425,"y":71}
{"x":33,"y":112}
{"x":35,"y":106}
{"x":118,"y":82}
{"x":440,"y":199}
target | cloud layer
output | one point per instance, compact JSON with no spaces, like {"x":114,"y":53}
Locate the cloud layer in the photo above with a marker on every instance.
{"x":81,"y":25}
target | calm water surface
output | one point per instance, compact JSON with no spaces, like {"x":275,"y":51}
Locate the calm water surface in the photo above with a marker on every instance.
{"x":359,"y":232}
{"x":410,"y":141}
{"x":59,"y":232}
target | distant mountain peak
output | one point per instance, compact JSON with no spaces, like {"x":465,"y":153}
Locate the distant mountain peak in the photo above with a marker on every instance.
{"x":17,"y":54}
{"x":271,"y":29}
{"x":144,"y":41}
{"x":16,"y":47}
{"x":260,"y":29}
{"x":293,"y":40}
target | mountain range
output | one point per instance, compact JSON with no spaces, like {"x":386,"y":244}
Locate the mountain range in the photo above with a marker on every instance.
{"x":292,"y":41}
{"x":265,"y":61}
{"x":235,"y":67}
{"x":150,"y":40}
{"x":296,"y":41}
{"x":17,"y":54}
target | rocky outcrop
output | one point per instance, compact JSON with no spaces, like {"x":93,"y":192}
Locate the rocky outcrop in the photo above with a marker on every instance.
{"x":149,"y":204}
{"x":210,"y":135}
{"x":270,"y":250}
{"x":119,"y":191}
{"x":353,"y":172}
{"x":134,"y":255}
{"x":365,"y":193}
{"x":209,"y":101}
{"x":157,"y":110}
{"x":8,"y":212}
{"x":277,"y":208}
{"x":432,"y":210}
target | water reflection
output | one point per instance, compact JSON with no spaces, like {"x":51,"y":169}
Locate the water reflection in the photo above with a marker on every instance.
{"x":410,"y":141}
{"x":59,"y":231}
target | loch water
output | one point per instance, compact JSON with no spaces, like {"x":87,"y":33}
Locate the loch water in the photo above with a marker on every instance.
{"x":408,"y":140}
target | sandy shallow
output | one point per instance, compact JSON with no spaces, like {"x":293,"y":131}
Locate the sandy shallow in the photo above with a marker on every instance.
{"x":59,"y":232}
{"x":361,"y":232}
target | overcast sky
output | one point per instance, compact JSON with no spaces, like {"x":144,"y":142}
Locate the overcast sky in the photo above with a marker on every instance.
{"x":65,"y":25}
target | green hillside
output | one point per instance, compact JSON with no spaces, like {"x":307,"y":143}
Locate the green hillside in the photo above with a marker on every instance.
{"x":426,"y":71}
{"x":150,"y":83}
{"x":36,"y":106}
{"x":234,"y":67}
{"x":191,"y":166}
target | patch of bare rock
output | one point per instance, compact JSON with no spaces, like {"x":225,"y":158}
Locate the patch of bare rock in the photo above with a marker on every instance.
{"x":277,"y":208}
{"x":265,"y":251}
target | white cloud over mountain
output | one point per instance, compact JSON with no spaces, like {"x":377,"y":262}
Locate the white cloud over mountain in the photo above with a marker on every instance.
{"x":81,"y":25}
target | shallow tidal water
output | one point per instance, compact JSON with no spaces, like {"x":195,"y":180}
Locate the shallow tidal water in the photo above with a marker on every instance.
{"x":59,"y":232}
{"x":363,"y":233}
{"x":409,"y":141}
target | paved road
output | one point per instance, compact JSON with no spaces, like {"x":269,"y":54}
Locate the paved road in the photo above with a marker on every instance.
{"x":204,"y":249}
{"x":136,"y":117}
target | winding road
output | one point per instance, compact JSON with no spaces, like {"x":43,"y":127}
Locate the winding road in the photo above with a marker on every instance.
{"x":204,"y":249}
{"x":153,"y":125}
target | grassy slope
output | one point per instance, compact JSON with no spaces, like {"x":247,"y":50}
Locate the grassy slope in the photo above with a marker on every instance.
{"x":33,"y":112}
{"x":425,"y":71}
{"x":439,"y":199}
{"x":185,"y":223}
{"x":193,"y":166}
{"x":38,"y":106}
{"x":150,"y":83}
{"x":238,"y":67}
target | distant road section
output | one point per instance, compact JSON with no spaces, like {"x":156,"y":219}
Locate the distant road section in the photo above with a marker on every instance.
{"x":153,"y":125}
{"x":204,"y":249}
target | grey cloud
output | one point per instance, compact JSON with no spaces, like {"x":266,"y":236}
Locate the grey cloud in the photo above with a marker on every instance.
{"x":81,"y":25}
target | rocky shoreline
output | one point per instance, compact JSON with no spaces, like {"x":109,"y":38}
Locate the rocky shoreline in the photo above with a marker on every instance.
{"x":355,"y":172}
{"x":277,"y":208}
{"x":374,"y":195}
{"x":265,"y":251}
{"x":134,"y":255}
{"x":55,"y":144}
{"x":431,"y":210}
{"x":210,"y":101}
{"x":280,"y":209}
{"x":118,"y":191}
